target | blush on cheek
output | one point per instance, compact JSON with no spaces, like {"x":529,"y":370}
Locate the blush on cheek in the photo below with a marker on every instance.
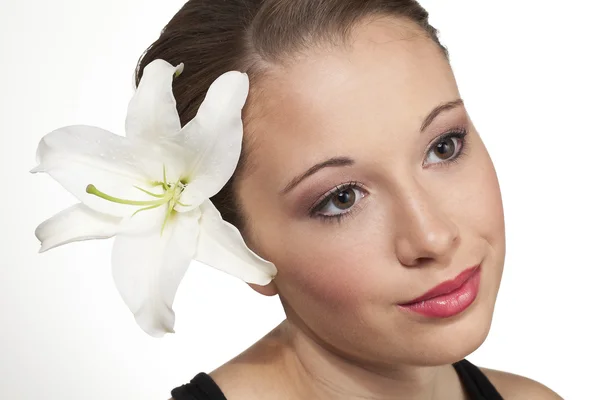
{"x":335,"y":283}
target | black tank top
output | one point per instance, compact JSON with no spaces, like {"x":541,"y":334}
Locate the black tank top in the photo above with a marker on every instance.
{"x":476,"y":384}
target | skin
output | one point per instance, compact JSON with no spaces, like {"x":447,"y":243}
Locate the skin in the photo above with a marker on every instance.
{"x":416,"y":221}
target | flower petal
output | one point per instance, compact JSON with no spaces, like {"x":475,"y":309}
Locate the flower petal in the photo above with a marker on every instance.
{"x":148,"y":270}
{"x":214,"y":138}
{"x":221,"y":246}
{"x":152,"y":111}
{"x":76,"y":223}
{"x":77,"y":156}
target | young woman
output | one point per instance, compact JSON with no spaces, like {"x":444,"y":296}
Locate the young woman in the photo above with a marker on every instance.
{"x":364,"y":181}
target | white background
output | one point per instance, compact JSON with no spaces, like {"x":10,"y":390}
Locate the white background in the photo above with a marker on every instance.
{"x":528,"y":71}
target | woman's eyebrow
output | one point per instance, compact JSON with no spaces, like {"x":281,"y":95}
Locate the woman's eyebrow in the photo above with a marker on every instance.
{"x":332,"y":162}
{"x":346,"y":161}
{"x":438,"y":110}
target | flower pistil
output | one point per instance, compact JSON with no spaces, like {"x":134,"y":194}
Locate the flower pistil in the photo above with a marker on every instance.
{"x":171,"y":194}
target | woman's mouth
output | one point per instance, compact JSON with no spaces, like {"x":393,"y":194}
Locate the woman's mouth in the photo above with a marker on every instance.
{"x":448,"y":298}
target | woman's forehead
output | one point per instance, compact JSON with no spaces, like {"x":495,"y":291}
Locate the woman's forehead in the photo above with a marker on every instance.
{"x":331,"y":100}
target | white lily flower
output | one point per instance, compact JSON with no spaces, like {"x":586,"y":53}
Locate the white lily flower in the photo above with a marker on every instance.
{"x":151,"y":190}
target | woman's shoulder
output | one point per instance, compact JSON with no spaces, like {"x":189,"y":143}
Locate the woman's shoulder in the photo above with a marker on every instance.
{"x":242,"y":377}
{"x":517,"y":387}
{"x":245,"y":381}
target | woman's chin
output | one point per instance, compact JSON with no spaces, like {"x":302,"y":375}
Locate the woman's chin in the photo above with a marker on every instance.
{"x":449,"y":343}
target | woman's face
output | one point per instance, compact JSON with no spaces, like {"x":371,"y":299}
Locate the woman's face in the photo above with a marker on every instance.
{"x":396,"y":212}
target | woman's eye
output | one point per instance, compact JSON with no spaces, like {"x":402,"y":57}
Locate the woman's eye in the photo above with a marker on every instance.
{"x":340,"y":202}
{"x":448,"y":149}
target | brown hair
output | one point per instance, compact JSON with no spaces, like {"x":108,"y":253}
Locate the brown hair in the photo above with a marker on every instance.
{"x":215,"y":36}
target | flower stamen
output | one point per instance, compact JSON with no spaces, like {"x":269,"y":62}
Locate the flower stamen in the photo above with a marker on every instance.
{"x":160,"y":196}
{"x":170,"y":197}
{"x":91,"y":189}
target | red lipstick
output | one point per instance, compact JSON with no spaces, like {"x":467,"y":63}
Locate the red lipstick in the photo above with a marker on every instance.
{"x":448,"y":298}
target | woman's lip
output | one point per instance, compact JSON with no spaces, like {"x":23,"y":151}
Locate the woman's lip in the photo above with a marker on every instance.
{"x":446,"y":286}
{"x":449,"y":304}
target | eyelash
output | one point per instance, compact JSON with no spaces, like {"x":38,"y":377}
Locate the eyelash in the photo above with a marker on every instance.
{"x":458,"y":133}
{"x":327,"y":197}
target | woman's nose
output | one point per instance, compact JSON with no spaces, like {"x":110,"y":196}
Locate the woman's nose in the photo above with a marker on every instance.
{"x":423,"y":229}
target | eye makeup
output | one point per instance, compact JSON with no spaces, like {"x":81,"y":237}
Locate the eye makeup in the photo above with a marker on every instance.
{"x":329,"y":197}
{"x":458,"y":134}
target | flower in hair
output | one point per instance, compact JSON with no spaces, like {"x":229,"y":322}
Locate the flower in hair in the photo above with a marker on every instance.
{"x":151,"y":188}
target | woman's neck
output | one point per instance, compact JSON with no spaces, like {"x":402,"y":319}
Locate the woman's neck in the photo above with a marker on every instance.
{"x":289,"y":364}
{"x":309,"y":369}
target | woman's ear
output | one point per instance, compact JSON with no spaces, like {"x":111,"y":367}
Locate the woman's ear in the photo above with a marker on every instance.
{"x":269,"y":290}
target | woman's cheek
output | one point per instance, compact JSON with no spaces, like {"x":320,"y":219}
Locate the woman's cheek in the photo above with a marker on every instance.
{"x":333,"y":273}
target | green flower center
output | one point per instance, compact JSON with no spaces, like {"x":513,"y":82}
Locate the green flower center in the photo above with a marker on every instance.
{"x":171,"y":194}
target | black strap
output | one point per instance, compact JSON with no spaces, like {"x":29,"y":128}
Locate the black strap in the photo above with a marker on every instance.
{"x":202,"y":387}
{"x":476,"y":384}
